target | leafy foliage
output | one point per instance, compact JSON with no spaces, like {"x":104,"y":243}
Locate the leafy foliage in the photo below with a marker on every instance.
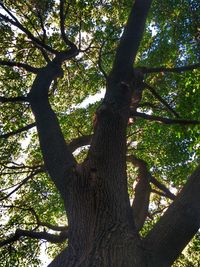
{"x":171,"y":39}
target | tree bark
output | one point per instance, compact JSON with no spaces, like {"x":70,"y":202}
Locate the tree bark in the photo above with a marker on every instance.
{"x":177,"y":226}
{"x":102,"y":229}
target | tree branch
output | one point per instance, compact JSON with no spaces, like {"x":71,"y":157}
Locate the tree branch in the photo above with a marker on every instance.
{"x":38,"y":221}
{"x":19,"y":65}
{"x":53,"y":227}
{"x":79,"y":142}
{"x":162,"y":187}
{"x":163,"y":69}
{"x":153,"y":91}
{"x":36,"y":235}
{"x":163,"y":120}
{"x":177,"y":226}
{"x":143,"y":190}
{"x":63,"y":15}
{"x":23,"y":182}
{"x":17,"y":24}
{"x":158,"y":192}
{"x":17,"y":166}
{"x":73,"y":51}
{"x":23,"y":129}
{"x":131,"y":37}
{"x":42,"y":25}
{"x":48,"y":225}
{"x":13,"y":99}
{"x":142,"y":193}
{"x":58,"y":159}
{"x":100,"y":61}
{"x":149,"y":105}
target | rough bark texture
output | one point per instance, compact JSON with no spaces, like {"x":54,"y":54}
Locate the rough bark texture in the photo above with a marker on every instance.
{"x":102,"y":228}
{"x":178,"y":225}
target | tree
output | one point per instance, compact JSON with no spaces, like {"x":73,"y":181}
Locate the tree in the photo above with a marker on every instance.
{"x":117,"y":167}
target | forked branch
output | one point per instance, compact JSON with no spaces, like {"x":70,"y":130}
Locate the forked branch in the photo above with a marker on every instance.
{"x":15,"y":22}
{"x":46,"y":224}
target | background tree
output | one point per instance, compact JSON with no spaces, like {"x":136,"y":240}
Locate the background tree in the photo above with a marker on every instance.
{"x":118,"y":166}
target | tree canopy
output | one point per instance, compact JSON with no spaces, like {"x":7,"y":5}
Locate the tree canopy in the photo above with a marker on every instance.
{"x":162,"y":135}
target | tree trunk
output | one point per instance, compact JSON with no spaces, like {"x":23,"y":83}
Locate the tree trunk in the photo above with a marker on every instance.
{"x":114,"y":248}
{"x":99,"y":234}
{"x":102,"y":229}
{"x":100,"y":237}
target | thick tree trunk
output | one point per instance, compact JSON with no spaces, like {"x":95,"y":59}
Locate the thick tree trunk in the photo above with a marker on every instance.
{"x":114,"y":248}
{"x":102,"y":230}
{"x":101,"y":223}
{"x":100,"y":238}
{"x":99,"y":212}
